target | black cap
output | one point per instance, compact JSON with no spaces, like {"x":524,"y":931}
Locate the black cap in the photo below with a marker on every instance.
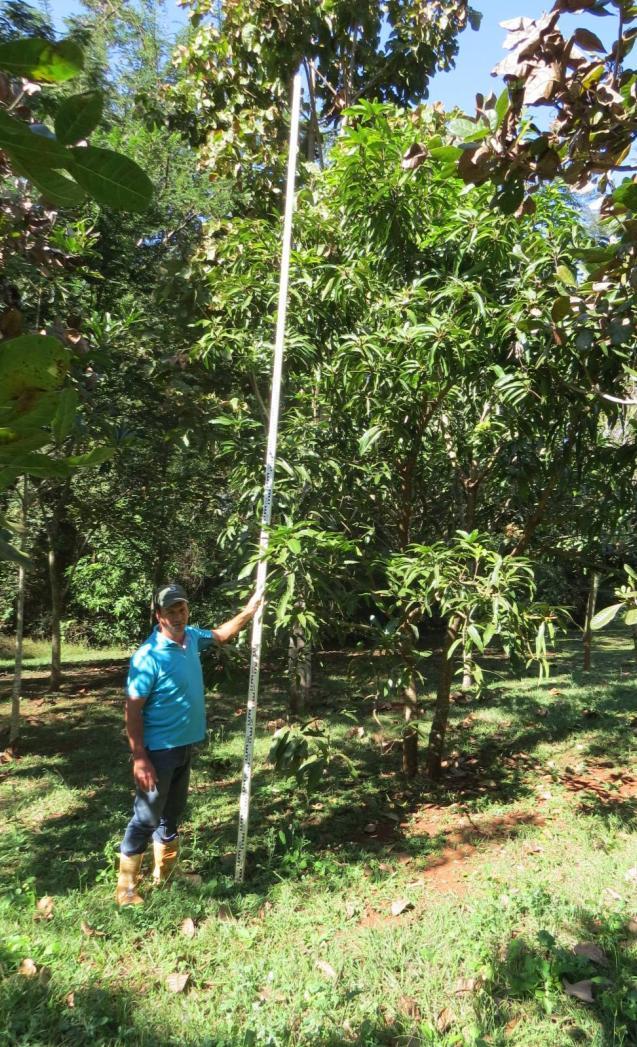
{"x":169,"y":595}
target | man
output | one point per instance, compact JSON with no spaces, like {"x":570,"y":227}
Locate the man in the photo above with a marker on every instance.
{"x":165,"y":717}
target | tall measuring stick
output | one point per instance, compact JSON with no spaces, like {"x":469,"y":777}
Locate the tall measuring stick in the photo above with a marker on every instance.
{"x":268,"y":488}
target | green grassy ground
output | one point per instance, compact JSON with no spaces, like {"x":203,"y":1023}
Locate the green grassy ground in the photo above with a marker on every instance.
{"x":377,"y":912}
{"x":37,"y":653}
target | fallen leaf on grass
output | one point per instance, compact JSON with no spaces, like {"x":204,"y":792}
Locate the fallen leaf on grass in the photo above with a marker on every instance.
{"x":632,"y":927}
{"x":191,"y":879}
{"x":631,"y":875}
{"x":401,"y":905}
{"x":177,"y":982}
{"x":69,"y":999}
{"x":44,"y":908}
{"x":90,"y":932}
{"x":326,"y":969}
{"x":613,"y":894}
{"x":510,"y":1027}
{"x":445,"y":1020}
{"x":580,"y":990}
{"x":44,"y":976}
{"x":554,"y":691}
{"x":6,"y":756}
{"x":27,"y":968}
{"x":409,"y":1007}
{"x":188,"y":928}
{"x":590,"y":951}
{"x":466,"y":985}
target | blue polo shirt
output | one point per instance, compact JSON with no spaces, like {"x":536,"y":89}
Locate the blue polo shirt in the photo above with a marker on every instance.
{"x":168,"y":675}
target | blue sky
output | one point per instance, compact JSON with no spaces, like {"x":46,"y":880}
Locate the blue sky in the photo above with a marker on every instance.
{"x":479,"y":52}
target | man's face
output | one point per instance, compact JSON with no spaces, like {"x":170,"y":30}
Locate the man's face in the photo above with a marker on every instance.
{"x":173,"y":620}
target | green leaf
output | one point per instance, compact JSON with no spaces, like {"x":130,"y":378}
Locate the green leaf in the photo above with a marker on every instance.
{"x":631,"y":616}
{"x":564,"y":274}
{"x":369,"y":438}
{"x":475,"y":636}
{"x":509,"y":197}
{"x":55,"y":187}
{"x":502,"y":106}
{"x":31,"y":363}
{"x":28,"y":147}
{"x":445,"y":152}
{"x":111,"y":179}
{"x":38,"y":59}
{"x":77,"y":116}
{"x":94,"y":457}
{"x":626,"y":194}
{"x":65,"y":414}
{"x":605,"y":616}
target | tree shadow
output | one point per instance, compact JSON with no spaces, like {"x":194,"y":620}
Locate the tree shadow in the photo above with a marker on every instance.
{"x":35,"y":1012}
{"x":601,"y":971}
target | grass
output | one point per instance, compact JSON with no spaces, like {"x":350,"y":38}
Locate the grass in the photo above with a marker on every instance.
{"x":37,"y":654}
{"x":527,"y":849}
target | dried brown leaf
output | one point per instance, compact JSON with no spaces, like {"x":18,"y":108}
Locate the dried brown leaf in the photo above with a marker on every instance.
{"x":580,"y":990}
{"x":44,"y":908}
{"x":409,"y":1007}
{"x":90,"y":932}
{"x":445,"y":1020}
{"x":590,"y":951}
{"x":325,"y":968}
{"x":188,"y":928}
{"x":69,"y":999}
{"x":177,"y":982}
{"x":44,"y":976}
{"x":400,"y":906}
{"x":27,"y":968}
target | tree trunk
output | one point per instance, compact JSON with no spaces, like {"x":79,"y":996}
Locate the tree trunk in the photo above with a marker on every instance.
{"x":635,"y":640}
{"x":300,"y":671}
{"x":410,"y":733}
{"x":590,"y":612}
{"x":14,"y":725}
{"x":436,"y":744}
{"x":467,"y":670}
{"x":55,"y":677}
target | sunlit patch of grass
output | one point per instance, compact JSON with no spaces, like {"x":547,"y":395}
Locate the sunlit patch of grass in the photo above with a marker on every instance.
{"x":37,"y":653}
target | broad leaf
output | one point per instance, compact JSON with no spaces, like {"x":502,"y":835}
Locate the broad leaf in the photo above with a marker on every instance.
{"x":31,"y":363}
{"x":29,"y":147}
{"x":65,"y":414}
{"x":38,"y":59}
{"x":631,"y":616}
{"x":55,"y":187}
{"x":605,"y":616}
{"x":77,"y":116}
{"x":626,"y":195}
{"x":94,"y":457}
{"x":111,"y":179}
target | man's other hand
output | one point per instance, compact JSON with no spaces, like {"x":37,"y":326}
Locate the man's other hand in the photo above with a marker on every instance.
{"x":144,"y":774}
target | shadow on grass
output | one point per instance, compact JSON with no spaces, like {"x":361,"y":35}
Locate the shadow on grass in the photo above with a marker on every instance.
{"x":32,"y":1011}
{"x":601,"y":972}
{"x":85,"y":747}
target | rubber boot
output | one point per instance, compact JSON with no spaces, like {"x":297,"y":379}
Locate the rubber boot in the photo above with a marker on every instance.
{"x":166,"y":855}
{"x":129,"y":869}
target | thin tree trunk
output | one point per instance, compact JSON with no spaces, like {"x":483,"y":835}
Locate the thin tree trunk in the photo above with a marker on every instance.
{"x":410,"y":733}
{"x":436,"y":744}
{"x":55,"y":677}
{"x":591,"y":603}
{"x":14,"y":725}
{"x":467,"y":670}
{"x":635,"y":640}
{"x":300,"y":671}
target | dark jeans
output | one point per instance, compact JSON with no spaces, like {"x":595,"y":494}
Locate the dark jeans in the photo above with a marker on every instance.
{"x":159,"y":812}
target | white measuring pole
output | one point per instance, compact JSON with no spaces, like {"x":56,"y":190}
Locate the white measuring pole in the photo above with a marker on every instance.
{"x":268,"y":488}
